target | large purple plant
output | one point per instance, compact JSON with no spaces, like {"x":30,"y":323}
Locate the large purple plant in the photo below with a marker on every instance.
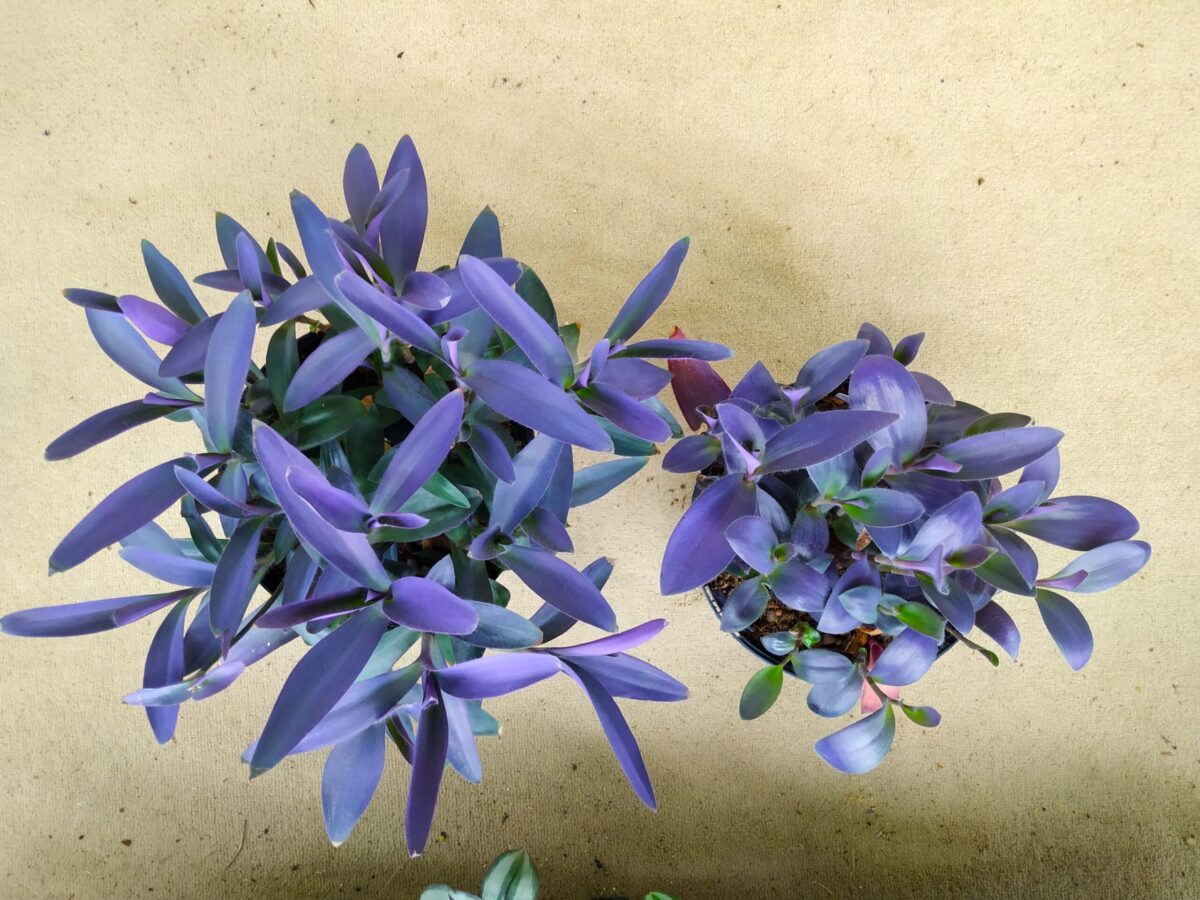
{"x":853,"y":523}
{"x":375,"y":475}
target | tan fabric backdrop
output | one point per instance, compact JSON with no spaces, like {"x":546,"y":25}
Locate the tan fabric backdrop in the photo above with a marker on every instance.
{"x":1020,"y":182}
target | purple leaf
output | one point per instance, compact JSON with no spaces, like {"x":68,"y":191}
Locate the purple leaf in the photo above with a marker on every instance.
{"x":462,"y":754}
{"x":424,"y":605}
{"x":882,"y":507}
{"x":349,"y":553}
{"x":614,"y":643}
{"x":364,"y":704}
{"x":996,"y":453}
{"x":560,"y":584}
{"x":821,"y":666}
{"x":104,"y":425}
{"x":428,"y":767}
{"x":501,"y":629}
{"x":124,"y":346}
{"x":138,"y":501}
{"x":541,"y":343}
{"x":534,"y":467}
{"x":341,"y":509}
{"x":402,"y":226}
{"x":299,"y":612}
{"x":170,"y":286}
{"x":225,"y":368}
{"x":744,"y":605}
{"x":697,"y":550}
{"x":881,"y":383}
{"x":695,"y":384}
{"x":164,"y":666}
{"x":1077,"y":522}
{"x":754,"y":540}
{"x":994,"y":621}
{"x":800,"y":587}
{"x":89,"y":617}
{"x":483,"y":237}
{"x":624,"y":412}
{"x":1013,"y":502}
{"x":828,"y":369}
{"x":349,"y":779}
{"x":388,"y":311}
{"x":835,"y":696}
{"x":860,"y":747}
{"x":170,"y":567}
{"x":1067,"y":626}
{"x":822,"y":436}
{"x":303,"y":296}
{"x":211,"y":497}
{"x":905,"y":660}
{"x":629,"y":677}
{"x":636,"y":377}
{"x":190,"y":351}
{"x":233,"y":580}
{"x":1045,"y":470}
{"x":329,"y":365}
{"x":955,"y":525}
{"x":492,"y":676}
{"x":1102,"y":567}
{"x":360,"y":184}
{"x":675,"y":348}
{"x":526,"y":397}
{"x":906,"y":350}
{"x":490,"y":450}
{"x":593,"y":482}
{"x":693,"y":453}
{"x":878,"y":341}
{"x":152,"y":320}
{"x":420,"y":454}
{"x":249,"y":271}
{"x":934,"y":392}
{"x":425,"y":290}
{"x":757,"y":387}
{"x":316,"y":683}
{"x":649,"y":295}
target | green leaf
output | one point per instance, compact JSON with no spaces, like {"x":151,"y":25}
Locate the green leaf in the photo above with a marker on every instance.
{"x":444,"y":489}
{"x":997,"y":422}
{"x":511,"y":877}
{"x":624,"y":443}
{"x":273,"y":256}
{"x":925,"y":716}
{"x":530,"y":289}
{"x":845,"y":531}
{"x":922,"y":618}
{"x":364,"y":444}
{"x":570,"y":336}
{"x":658,"y":895}
{"x":283,"y":359}
{"x":761,"y":692}
{"x":326,"y":419}
{"x":445,"y":892}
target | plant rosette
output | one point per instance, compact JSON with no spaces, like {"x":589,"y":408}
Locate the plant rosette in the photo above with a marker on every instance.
{"x":851,"y":526}
{"x":407,"y":439}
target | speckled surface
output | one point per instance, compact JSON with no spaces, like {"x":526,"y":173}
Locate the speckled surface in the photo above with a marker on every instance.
{"x":1022,"y":185}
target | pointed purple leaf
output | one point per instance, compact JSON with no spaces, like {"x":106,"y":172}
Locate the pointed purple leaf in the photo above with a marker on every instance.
{"x":164,"y":666}
{"x":493,"y":676}
{"x":104,"y":425}
{"x":170,"y":567}
{"x":225,"y":369}
{"x":1077,"y":522}
{"x":1044,"y":469}
{"x":649,"y":295}
{"x":534,"y":467}
{"x":190,"y":351}
{"x":996,"y":453}
{"x":1102,"y":567}
{"x":693,"y":453}
{"x":675,"y":348}
{"x":697,"y":550}
{"x":388,"y":311}
{"x":170,"y":285}
{"x":360,"y":184}
{"x":994,"y":621}
{"x":349,"y":779}
{"x":424,"y":605}
{"x":129,"y":350}
{"x":233,"y":580}
{"x":615,"y":643}
{"x":798,"y":586}
{"x":881,"y":383}
{"x":958,"y":523}
{"x":593,"y":482}
{"x":420,"y":454}
{"x":828,"y":369}
{"x":882,"y":507}
{"x":629,"y":677}
{"x":754,"y":540}
{"x":560,"y":584}
{"x":624,"y":412}
{"x":156,"y":323}
{"x":491,"y":451}
{"x":860,"y":747}
{"x":341,"y":509}
{"x":636,"y":377}
{"x":822,"y":436}
{"x":329,"y":365}
{"x":428,"y":767}
{"x":1067,"y":626}
{"x":905,"y":660}
{"x":89,"y":617}
{"x":402,"y":226}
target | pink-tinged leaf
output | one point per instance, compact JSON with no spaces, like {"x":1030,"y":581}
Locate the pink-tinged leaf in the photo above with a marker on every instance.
{"x":695,"y":384}
{"x":906,"y":659}
{"x":124,"y":346}
{"x":104,"y":425}
{"x":89,"y":617}
{"x":880,"y":383}
{"x":170,"y":567}
{"x":1067,"y":626}
{"x":233,"y":581}
{"x":649,"y":295}
{"x":995,"y":453}
{"x":316,"y":684}
{"x":225,"y":369}
{"x":697,"y":551}
{"x":821,"y":437}
{"x":560,"y":584}
{"x":860,"y":747}
{"x":624,"y":412}
{"x":329,"y":365}
{"x":614,"y":643}
{"x":349,"y":779}
{"x":158,"y":324}
{"x":420,"y":454}
{"x":1101,"y":568}
{"x":349,"y":553}
{"x":138,"y":501}
{"x":428,"y":767}
{"x":526,"y":397}
{"x":190,"y":351}
{"x":424,"y":605}
{"x":493,"y":676}
{"x":828,"y":369}
{"x":994,"y":621}
{"x":360,"y":184}
{"x":1077,"y":522}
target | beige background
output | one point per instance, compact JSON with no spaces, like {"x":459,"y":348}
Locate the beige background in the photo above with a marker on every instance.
{"x":1019,"y":182}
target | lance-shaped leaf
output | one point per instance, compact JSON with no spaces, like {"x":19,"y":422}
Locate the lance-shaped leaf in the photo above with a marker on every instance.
{"x":620,"y":737}
{"x":190,"y":351}
{"x":424,"y":605}
{"x":1013,"y":502}
{"x":860,"y":747}
{"x":626,"y":676}
{"x":402,"y":225}
{"x":955,"y":525}
{"x":483,"y":237}
{"x":164,"y":666}
{"x":636,"y":377}
{"x":129,"y":350}
{"x":760,"y":692}
{"x":324,"y":606}
{"x":649,"y":295}
{"x":593,"y":482}
{"x":170,"y":567}
{"x":1045,"y":470}
{"x":170,"y":285}
{"x":233,"y":580}
{"x":211,"y":497}
{"x":675,"y":348}
{"x":693,"y":453}
{"x":225,"y":368}
{"x":501,"y":629}
{"x":881,"y":383}
{"x":624,"y":412}
{"x":534,"y":467}
{"x":138,"y":501}
{"x":882,"y":507}
{"x":828,"y":369}
{"x":493,"y":676}
{"x":420,"y":454}
{"x":822,"y":436}
{"x":695,"y":384}
{"x":1104,"y":567}
{"x":614,"y":643}
{"x":388,"y":311}
{"x":1067,"y":626}
{"x":428,"y":767}
{"x":104,"y":425}
{"x":525,"y":397}
{"x":341,"y":509}
{"x":318,"y":681}
{"x":329,"y":365}
{"x":360,"y":184}
{"x":994,"y":621}
{"x":1077,"y":522}
{"x":461,"y":751}
{"x":560,"y":584}
{"x":90,"y":299}
{"x":697,"y":551}
{"x":350,"y":553}
{"x":89,"y":617}
{"x":996,"y":453}
{"x":905,"y":660}
{"x":541,"y":344}
{"x":349,"y":779}
{"x":152,"y":320}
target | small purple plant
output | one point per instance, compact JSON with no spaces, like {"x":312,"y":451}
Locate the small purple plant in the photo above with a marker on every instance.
{"x":853,"y":524}
{"x":375,"y":475}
